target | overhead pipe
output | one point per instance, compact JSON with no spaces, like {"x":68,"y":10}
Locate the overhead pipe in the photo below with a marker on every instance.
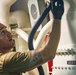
{"x":22,"y":34}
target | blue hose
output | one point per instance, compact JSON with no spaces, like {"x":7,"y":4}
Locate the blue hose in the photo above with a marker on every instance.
{"x":33,"y":31}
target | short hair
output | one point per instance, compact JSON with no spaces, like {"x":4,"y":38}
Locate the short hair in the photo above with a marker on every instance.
{"x":2,"y":26}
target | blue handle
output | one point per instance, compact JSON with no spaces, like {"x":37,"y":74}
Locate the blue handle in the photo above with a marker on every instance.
{"x":33,"y":31}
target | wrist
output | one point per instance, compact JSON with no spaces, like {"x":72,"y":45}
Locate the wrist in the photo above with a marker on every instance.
{"x":57,"y":17}
{"x":56,"y":21}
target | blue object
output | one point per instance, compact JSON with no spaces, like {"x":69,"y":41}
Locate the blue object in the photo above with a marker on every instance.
{"x":33,"y":31}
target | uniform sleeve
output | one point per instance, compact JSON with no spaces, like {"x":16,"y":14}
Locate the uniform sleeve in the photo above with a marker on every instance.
{"x":16,"y":62}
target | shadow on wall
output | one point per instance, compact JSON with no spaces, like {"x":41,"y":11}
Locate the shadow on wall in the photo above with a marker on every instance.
{"x":71,"y":19}
{"x":20,"y":5}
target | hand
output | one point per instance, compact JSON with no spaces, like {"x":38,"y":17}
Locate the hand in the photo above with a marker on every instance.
{"x":47,"y":1}
{"x":57,"y":8}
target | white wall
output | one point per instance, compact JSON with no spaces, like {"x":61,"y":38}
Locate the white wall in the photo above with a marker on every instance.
{"x":68,"y":31}
{"x":67,"y":44}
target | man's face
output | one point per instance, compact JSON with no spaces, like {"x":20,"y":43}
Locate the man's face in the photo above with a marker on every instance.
{"x":6,"y":41}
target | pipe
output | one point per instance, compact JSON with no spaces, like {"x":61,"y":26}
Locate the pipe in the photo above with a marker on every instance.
{"x":42,"y":34}
{"x":5,"y":11}
{"x":23,"y":34}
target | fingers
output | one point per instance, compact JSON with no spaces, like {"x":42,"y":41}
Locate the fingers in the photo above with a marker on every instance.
{"x":47,"y":1}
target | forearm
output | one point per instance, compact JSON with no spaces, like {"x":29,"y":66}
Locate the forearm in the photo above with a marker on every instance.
{"x":48,"y":52}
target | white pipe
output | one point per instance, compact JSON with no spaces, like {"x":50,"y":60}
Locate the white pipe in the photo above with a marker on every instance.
{"x":42,"y":34}
{"x":5,"y":11}
{"x":23,"y":34}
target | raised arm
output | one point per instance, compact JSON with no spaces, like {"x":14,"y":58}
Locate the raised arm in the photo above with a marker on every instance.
{"x":48,"y":51}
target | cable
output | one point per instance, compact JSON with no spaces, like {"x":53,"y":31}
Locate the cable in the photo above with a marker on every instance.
{"x":33,"y":31}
